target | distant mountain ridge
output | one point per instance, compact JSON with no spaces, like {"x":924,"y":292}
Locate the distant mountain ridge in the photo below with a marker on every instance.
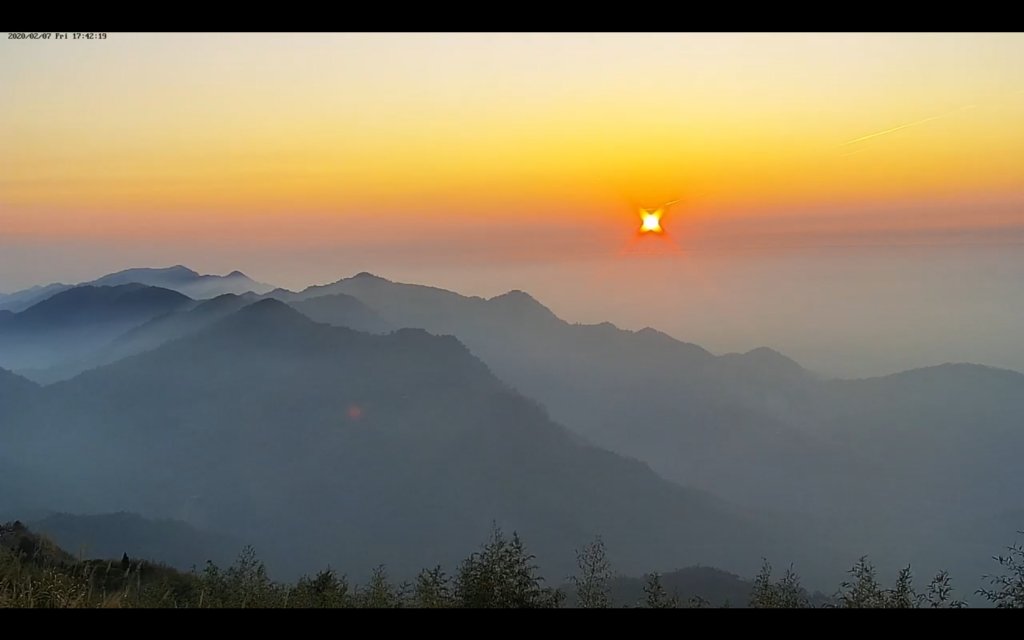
{"x":77,"y":321}
{"x":14,"y":390}
{"x":95,"y":303}
{"x":328,"y":443}
{"x":21,"y":300}
{"x":162,"y":328}
{"x":341,"y":310}
{"x":169,"y":324}
{"x":187,"y":281}
{"x":756,"y":427}
{"x":889,"y":463}
{"x":109,"y":535}
{"x":177,"y":278}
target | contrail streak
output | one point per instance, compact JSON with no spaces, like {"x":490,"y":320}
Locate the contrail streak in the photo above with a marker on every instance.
{"x":850,"y":153}
{"x":907,"y":125}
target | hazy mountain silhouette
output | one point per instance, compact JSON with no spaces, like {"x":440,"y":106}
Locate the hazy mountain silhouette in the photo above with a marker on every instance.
{"x":187,"y":281}
{"x":90,"y":304}
{"x":718,"y":588}
{"x":177,"y":278}
{"x":17,"y":397}
{"x":329,"y":444}
{"x":149,"y":335}
{"x":343,"y":311}
{"x":21,"y":300}
{"x":955,"y":428}
{"x":339,"y":310}
{"x":13,"y":386}
{"x":715,"y":587}
{"x":79,"y":320}
{"x":110,"y":535}
{"x":642,"y":393}
{"x":889,"y":465}
{"x":15,"y":391}
{"x":884,"y":463}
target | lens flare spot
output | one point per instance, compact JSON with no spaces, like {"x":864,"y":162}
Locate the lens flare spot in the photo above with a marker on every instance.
{"x":651,"y":221}
{"x":354,"y":412}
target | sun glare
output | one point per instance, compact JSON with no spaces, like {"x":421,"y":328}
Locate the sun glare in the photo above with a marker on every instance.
{"x":651,"y":221}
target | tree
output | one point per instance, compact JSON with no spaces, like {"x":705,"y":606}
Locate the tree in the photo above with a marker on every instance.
{"x":594,"y":582}
{"x":939,"y":594}
{"x":864,"y":591}
{"x":697,"y":602}
{"x":791,"y":594}
{"x":244,"y":584}
{"x":433,"y":590}
{"x":903,"y":595}
{"x":1007,"y":590}
{"x":763,"y":594}
{"x":379,"y":593}
{"x":656,"y":597}
{"x":785,"y":593}
{"x":503,"y":575}
{"x":325,"y":591}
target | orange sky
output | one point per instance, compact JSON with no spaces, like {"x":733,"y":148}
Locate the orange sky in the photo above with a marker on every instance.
{"x":483,"y":144}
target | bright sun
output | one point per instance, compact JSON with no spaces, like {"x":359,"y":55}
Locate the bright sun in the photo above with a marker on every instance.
{"x":651,"y":221}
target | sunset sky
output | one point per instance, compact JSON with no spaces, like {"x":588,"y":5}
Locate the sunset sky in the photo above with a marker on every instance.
{"x":302,"y":158}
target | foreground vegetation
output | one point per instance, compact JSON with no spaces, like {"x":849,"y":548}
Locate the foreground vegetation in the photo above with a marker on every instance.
{"x":34,"y":572}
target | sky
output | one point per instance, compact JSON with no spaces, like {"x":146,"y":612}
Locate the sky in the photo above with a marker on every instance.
{"x":810,"y":170}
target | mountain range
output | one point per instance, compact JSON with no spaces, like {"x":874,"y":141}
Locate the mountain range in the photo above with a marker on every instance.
{"x":111,"y":535}
{"x":320,"y":442}
{"x":177,"y":278}
{"x":691,"y":413}
{"x":243,"y":413}
{"x":77,"y":321}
